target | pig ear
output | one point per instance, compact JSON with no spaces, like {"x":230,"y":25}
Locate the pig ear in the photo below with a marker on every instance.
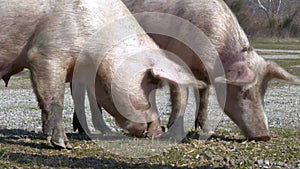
{"x":277,"y":72}
{"x":239,"y":74}
{"x":178,"y":78}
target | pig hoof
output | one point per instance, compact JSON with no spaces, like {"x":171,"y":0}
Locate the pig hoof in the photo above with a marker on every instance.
{"x":68,"y":145}
{"x":61,"y":144}
{"x":49,"y":139}
{"x":207,"y":129}
{"x":58,"y":144}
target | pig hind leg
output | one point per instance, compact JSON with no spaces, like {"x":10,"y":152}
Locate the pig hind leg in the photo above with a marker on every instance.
{"x":97,"y":118}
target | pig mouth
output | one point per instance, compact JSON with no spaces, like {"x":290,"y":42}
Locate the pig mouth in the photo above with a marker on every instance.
{"x":260,"y":134}
{"x":260,"y":138}
{"x":257,"y":137}
{"x":150,"y":133}
{"x":147,"y":134}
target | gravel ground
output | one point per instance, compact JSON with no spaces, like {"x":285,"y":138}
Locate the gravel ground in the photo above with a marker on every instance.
{"x":19,"y":109}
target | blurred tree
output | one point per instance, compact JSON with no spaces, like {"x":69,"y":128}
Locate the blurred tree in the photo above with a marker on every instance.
{"x":271,"y":8}
{"x":271,"y":18}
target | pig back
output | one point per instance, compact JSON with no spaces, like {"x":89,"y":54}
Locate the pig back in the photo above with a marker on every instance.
{"x":51,"y":27}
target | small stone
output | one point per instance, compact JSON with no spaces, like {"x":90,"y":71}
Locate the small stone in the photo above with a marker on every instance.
{"x":266,"y":162}
{"x":227,"y":158}
{"x":260,"y":162}
{"x":298,"y":165}
{"x":218,"y":158}
{"x":280,"y":164}
{"x":208,"y":157}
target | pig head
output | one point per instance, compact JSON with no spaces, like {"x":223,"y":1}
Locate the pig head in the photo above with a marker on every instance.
{"x":247,"y":83}
{"x":132,"y":85}
{"x":128,"y":67}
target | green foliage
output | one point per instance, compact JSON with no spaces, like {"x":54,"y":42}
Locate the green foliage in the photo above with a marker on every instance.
{"x":273,"y":23}
{"x":257,"y":23}
{"x":237,"y":6}
{"x":287,"y":22}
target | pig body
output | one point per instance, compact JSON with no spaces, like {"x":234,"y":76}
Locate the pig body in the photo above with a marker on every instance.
{"x":246,"y":73}
{"x":47,"y":37}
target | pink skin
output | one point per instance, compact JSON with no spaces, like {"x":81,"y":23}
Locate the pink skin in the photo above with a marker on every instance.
{"x":247,"y":74}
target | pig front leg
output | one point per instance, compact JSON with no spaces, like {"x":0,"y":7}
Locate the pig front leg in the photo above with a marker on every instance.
{"x":154,"y":128}
{"x":179,"y":102}
{"x":202,"y":114}
{"x":79,"y":106}
{"x":48,"y":79}
{"x":97,"y":117}
{"x":77,"y":125}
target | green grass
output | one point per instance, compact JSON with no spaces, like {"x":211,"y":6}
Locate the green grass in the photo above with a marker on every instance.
{"x":291,"y":65}
{"x":276,"y":53}
{"x":283,"y":44}
{"x":225,"y":148}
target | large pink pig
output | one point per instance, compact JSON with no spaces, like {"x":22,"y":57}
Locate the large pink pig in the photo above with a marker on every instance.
{"x":47,"y":37}
{"x":246,"y":74}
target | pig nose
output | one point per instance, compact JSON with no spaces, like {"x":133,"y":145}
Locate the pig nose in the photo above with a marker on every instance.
{"x":261,"y":138}
{"x":138,"y":129}
{"x":155,"y":133}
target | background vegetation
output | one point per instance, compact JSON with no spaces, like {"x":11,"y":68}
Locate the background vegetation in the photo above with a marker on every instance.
{"x":268,"y":18}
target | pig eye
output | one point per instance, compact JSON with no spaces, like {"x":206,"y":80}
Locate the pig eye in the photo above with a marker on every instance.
{"x":246,"y":94}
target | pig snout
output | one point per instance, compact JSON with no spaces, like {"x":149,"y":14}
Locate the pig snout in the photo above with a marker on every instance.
{"x":154,"y":130}
{"x":262,"y":135}
{"x":137,"y":129}
{"x":142,"y":130}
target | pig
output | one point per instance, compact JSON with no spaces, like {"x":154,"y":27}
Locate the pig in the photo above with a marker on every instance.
{"x":48,"y":37}
{"x":246,"y":73}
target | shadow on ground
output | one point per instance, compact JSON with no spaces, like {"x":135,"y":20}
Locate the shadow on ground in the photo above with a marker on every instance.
{"x":88,"y":162}
{"x":39,"y":157}
{"x":194,"y":135}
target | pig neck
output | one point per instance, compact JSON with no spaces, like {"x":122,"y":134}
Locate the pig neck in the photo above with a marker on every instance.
{"x":223,"y":31}
{"x":218,"y":23}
